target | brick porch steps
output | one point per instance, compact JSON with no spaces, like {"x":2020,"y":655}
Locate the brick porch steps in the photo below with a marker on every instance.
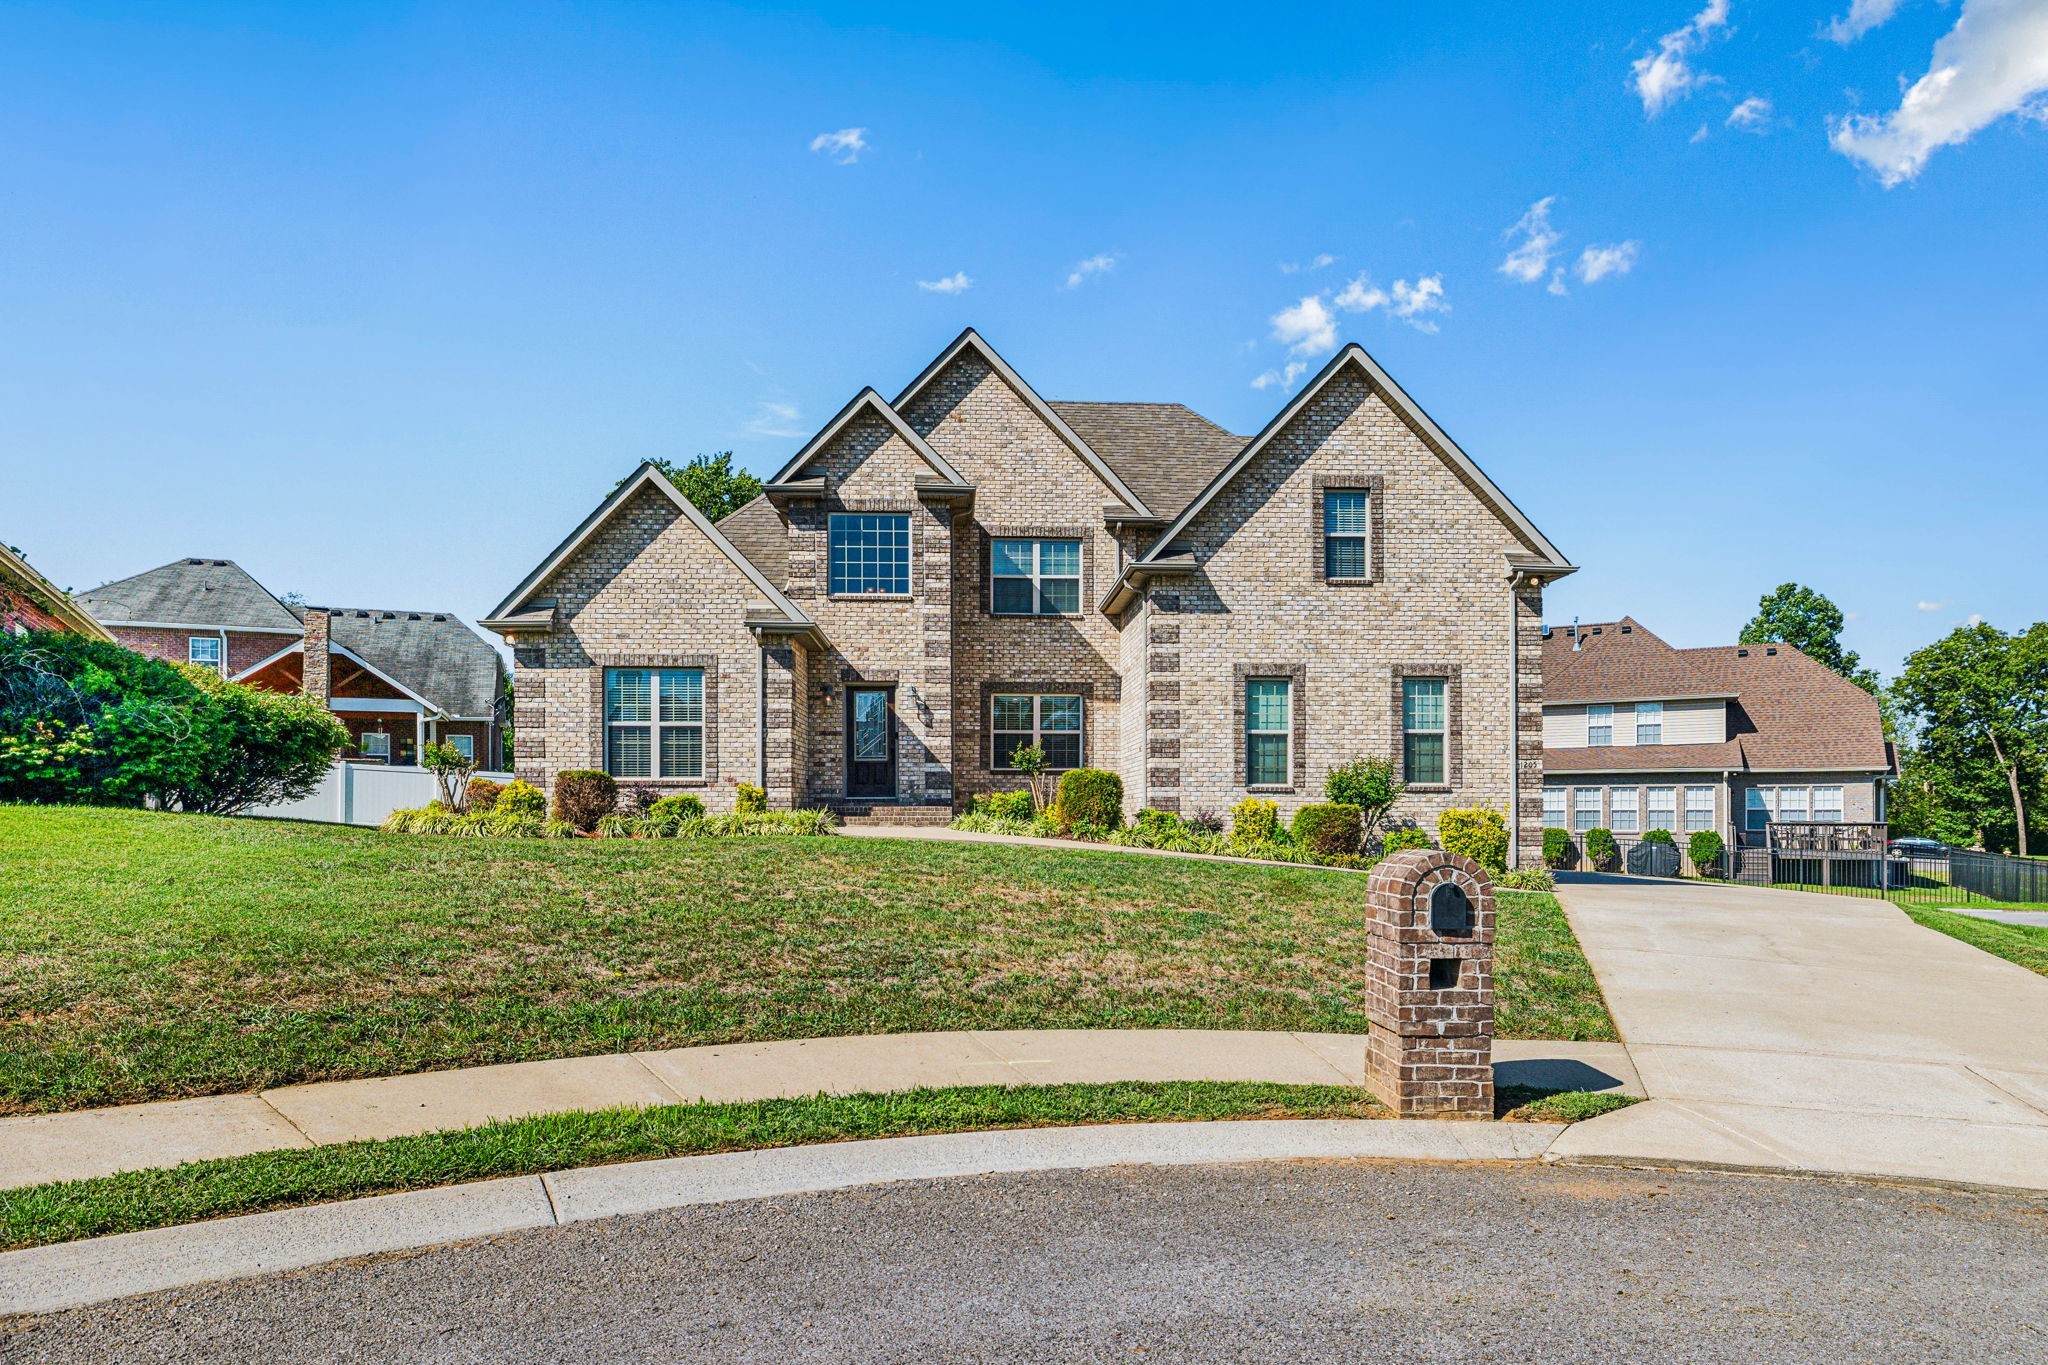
{"x":889,"y":813}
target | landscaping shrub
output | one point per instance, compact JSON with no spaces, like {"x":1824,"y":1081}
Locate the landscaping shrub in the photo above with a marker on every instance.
{"x":669,"y":811}
{"x":482,"y":794}
{"x":1526,"y":879}
{"x":1091,"y":797}
{"x":1479,"y":833}
{"x":1706,"y":849}
{"x":1659,"y":836}
{"x":1154,"y":826}
{"x":616,"y":826}
{"x":1331,"y":830}
{"x":521,"y":800}
{"x":1010,"y":805}
{"x":750,"y":801}
{"x":584,"y":796}
{"x":1557,"y":847}
{"x":451,"y":769}
{"x":1255,"y":820}
{"x":1206,"y":822}
{"x":1601,"y":850}
{"x":1398,"y":839}
{"x":1369,"y":784}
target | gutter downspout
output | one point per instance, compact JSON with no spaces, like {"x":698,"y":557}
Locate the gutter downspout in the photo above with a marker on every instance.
{"x":1515,"y":578}
{"x":761,"y":711}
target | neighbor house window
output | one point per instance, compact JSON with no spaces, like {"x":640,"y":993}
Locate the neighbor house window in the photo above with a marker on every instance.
{"x":1756,"y":809}
{"x":1600,"y":723}
{"x":1791,"y":805}
{"x":1035,"y":577}
{"x":1827,"y":804}
{"x":376,"y":744}
{"x":1625,"y":805}
{"x":1586,"y":809}
{"x":464,"y":745}
{"x":1553,"y":807}
{"x":1053,"y":723}
{"x":1268,"y":732}
{"x":870,"y":553}
{"x":1699,"y":808}
{"x":654,"y":722}
{"x":1425,"y":725}
{"x":1347,"y":520}
{"x":1649,"y":722}
{"x":204,"y":650}
{"x":1663,"y":808}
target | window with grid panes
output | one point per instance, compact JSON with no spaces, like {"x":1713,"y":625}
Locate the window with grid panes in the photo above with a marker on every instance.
{"x":1347,"y":530}
{"x":654,"y":722}
{"x":870,"y":553}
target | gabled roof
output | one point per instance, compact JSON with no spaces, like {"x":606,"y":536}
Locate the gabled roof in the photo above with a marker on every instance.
{"x":647,"y":475}
{"x":971,"y":340}
{"x":431,"y":654}
{"x":1166,"y":452}
{"x":1787,"y":713}
{"x":1353,"y":355}
{"x":868,"y":401}
{"x":26,"y":580}
{"x":757,"y":531}
{"x":191,"y":592}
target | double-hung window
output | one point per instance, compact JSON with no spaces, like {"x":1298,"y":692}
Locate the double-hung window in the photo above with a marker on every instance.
{"x":1827,"y":804}
{"x":654,"y":722}
{"x":1053,"y":723}
{"x":204,"y":650}
{"x":1699,"y":809}
{"x":1663,"y":808}
{"x":1625,"y":806}
{"x":1649,"y":722}
{"x":1554,"y":807}
{"x":1756,"y":809}
{"x":870,"y":553}
{"x":1347,"y":531}
{"x":1268,"y":732}
{"x":1425,"y":727}
{"x":1035,"y":577}
{"x":1792,"y":805}
{"x":464,"y":745}
{"x":1586,"y":809}
{"x":1600,"y":723}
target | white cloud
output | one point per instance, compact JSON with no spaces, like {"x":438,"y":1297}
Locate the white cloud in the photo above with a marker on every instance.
{"x":1973,"y":619}
{"x":1700,"y":135}
{"x":955,"y":283}
{"x":1530,"y":257}
{"x":1094,"y":265}
{"x":1924,"y":605}
{"x":1666,"y":75}
{"x":1362,"y":296}
{"x":1863,"y":16}
{"x":1319,"y":261}
{"x":1753,"y":115}
{"x":844,"y":146}
{"x":774,"y":419}
{"x":1992,"y":63}
{"x":1293,"y":370}
{"x":1322,"y":259}
{"x":1306,"y":328}
{"x":1596,"y":263}
{"x":1556,"y":285}
{"x":1414,"y":303}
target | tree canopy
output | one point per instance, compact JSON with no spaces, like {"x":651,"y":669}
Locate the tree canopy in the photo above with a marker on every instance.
{"x":710,"y":482}
{"x":1794,"y":614}
{"x":1979,"y":700}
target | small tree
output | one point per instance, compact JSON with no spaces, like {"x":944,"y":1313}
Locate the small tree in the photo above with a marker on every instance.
{"x":1706,"y":848}
{"x":1030,"y":762}
{"x":1601,"y":850}
{"x":1369,"y":784}
{"x":1557,"y":847}
{"x":451,"y":769}
{"x":710,"y":483}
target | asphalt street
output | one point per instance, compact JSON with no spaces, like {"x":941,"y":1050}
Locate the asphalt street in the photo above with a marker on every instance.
{"x":1323,"y":1260}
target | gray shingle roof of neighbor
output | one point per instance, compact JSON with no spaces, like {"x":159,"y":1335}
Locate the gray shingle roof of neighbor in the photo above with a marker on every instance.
{"x":1166,"y":452}
{"x":200,"y":592}
{"x":429,"y":652}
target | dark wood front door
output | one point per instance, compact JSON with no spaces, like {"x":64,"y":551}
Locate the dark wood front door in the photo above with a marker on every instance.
{"x":870,"y":742}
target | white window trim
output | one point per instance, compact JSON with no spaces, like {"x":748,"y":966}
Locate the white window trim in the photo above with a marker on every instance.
{"x":219,"y":663}
{"x":1442,"y":732}
{"x":1629,"y":801}
{"x":1038,"y":730}
{"x":1286,"y":733}
{"x":1657,"y":710}
{"x":1578,"y":809}
{"x":654,"y":725}
{"x":462,"y":744}
{"x":1689,"y":809}
{"x":1651,"y":810}
{"x":1037,"y":578}
{"x":375,"y":744}
{"x":1563,"y":797}
{"x":1605,"y":709}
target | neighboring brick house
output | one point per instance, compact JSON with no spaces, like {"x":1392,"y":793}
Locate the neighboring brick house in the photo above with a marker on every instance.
{"x":931,"y":583}
{"x":29,"y":601}
{"x":1639,"y":735}
{"x":396,"y":679}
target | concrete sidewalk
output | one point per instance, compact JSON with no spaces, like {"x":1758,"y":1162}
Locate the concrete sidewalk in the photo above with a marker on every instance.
{"x":1793,"y":1031}
{"x":96,"y":1142}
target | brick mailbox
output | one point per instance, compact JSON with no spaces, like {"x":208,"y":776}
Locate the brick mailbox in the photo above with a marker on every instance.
{"x":1429,"y":985}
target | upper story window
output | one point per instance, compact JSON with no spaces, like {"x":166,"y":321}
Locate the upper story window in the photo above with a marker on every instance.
{"x":1035,"y":577}
{"x":870,"y":553}
{"x":1425,"y":723}
{"x":1053,"y":723}
{"x":1268,"y":732}
{"x":205,"y":651}
{"x":1649,"y":722}
{"x":1600,"y":723}
{"x":654,"y":722}
{"x":1347,"y":523}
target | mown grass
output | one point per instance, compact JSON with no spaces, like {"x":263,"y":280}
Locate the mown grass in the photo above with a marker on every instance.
{"x":2026,"y":944}
{"x":151,"y":956}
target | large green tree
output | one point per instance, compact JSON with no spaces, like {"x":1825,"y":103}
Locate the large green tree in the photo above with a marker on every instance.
{"x":1978,"y":698}
{"x":1794,"y":614}
{"x":710,"y":482}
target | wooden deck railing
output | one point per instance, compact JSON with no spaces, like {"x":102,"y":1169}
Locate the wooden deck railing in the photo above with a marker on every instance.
{"x":1827,"y":836}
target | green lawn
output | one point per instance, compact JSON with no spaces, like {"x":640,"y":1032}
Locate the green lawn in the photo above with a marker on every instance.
{"x":148,"y":956}
{"x":2026,"y":944}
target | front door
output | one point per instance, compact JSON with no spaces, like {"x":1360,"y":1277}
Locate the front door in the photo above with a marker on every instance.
{"x":871,"y":742}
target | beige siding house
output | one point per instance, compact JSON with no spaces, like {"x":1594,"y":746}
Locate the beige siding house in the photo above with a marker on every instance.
{"x":934,"y":581}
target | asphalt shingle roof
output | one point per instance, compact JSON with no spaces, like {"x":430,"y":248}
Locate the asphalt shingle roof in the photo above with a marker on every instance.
{"x":1787,"y":713}
{"x":431,"y":653}
{"x":199,"y":592}
{"x":1167,"y":453}
{"x":757,"y":531}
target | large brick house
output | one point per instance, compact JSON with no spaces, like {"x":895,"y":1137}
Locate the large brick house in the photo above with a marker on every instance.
{"x":932,"y":582}
{"x":397,"y":679}
{"x":1638,"y":735}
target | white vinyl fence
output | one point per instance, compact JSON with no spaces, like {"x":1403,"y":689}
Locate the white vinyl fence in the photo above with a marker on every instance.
{"x":363,"y":794}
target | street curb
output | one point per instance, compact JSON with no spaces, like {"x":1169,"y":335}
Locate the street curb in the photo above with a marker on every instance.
{"x":1788,"y":1172}
{"x":76,"y":1274}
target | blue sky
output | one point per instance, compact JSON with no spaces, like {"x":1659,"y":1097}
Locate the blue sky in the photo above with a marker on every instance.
{"x":380,"y":299}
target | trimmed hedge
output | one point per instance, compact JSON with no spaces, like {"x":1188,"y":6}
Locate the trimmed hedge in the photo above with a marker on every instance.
{"x":1020,"y":805}
{"x":1091,"y":798}
{"x":1557,"y":847}
{"x":521,"y":800}
{"x":1706,"y":849}
{"x":1399,"y":839}
{"x":751,"y":800}
{"x":1332,"y":829}
{"x":482,"y":794}
{"x":1601,"y":850}
{"x":1479,"y":833}
{"x":584,"y":796}
{"x":1255,"y":820}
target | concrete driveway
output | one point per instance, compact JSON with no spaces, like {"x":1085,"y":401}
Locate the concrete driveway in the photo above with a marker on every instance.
{"x":1830,"y":1032}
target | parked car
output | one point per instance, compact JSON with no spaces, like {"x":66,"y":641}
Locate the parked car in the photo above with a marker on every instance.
{"x":1913,"y":846}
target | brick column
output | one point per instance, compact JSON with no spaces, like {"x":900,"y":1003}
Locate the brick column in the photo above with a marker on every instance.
{"x":1527,"y":830}
{"x":1429,"y":985}
{"x":318,"y":673}
{"x":783,"y":693}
